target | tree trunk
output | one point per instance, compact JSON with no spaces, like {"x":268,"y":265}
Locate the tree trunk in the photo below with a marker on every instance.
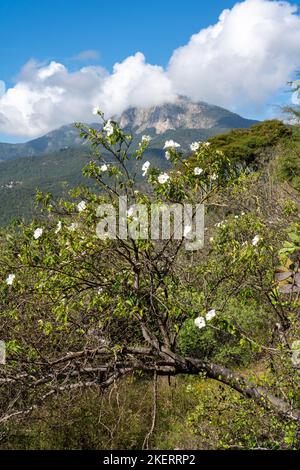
{"x":259,"y":394}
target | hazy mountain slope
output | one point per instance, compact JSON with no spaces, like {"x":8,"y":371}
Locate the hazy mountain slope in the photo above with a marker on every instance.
{"x":56,"y":173}
{"x":20,"y":178}
{"x":65,"y":136}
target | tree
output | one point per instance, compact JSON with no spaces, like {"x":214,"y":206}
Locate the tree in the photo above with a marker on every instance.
{"x":79,"y":312}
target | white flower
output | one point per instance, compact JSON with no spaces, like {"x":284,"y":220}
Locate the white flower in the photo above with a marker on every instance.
{"x":37,"y":233}
{"x":211,"y":239}
{"x":104,"y":168}
{"x":200,"y":323}
{"x":167,"y":155}
{"x":214,"y":176}
{"x":145,"y":168}
{"x":96,"y":110}
{"x":163,"y":178}
{"x":236,"y":216}
{"x":58,"y":227}
{"x":255,"y":240}
{"x":73,"y":226}
{"x":109,"y":128}
{"x":210,"y":315}
{"x":242,"y":213}
{"x":10,"y":279}
{"x":195,"y":146}
{"x":207,"y":144}
{"x":81,"y":206}
{"x":170,"y":144}
{"x":198,"y":171}
{"x":146,"y":139}
{"x":187,"y":229}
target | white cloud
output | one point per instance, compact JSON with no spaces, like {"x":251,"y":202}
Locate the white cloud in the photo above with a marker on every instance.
{"x":135,"y":83}
{"x":239,"y":63}
{"x":46,"y":97}
{"x":243,"y":59}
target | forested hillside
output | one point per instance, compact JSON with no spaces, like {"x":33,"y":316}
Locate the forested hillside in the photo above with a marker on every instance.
{"x":59,"y":171}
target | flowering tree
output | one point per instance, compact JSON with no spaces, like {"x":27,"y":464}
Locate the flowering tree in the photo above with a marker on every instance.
{"x":78,"y":311}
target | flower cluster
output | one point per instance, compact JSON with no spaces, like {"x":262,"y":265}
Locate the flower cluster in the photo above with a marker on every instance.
{"x":108,"y":128}
{"x":200,"y":322}
{"x":81,"y":206}
{"x":256,"y":240}
{"x":10,"y":279}
{"x":37,"y":233}
{"x":195,"y":146}
{"x":146,"y":139}
{"x":170,"y":144}
{"x":104,"y":168}
{"x":163,"y":178}
{"x":96,"y":110}
{"x":198,"y":171}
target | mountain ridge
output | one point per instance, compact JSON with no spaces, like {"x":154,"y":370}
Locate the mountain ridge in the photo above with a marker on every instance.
{"x":183,"y":115}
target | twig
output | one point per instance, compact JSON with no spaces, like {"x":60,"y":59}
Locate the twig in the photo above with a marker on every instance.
{"x":154,"y":410}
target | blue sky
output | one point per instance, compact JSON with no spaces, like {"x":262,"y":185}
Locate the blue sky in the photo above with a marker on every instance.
{"x":110,"y":32}
{"x":60,"y":29}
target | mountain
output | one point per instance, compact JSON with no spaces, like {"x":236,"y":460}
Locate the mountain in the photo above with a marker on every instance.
{"x":54,"y":161}
{"x":190,"y":121}
{"x":183,"y":114}
{"x":64,"y":137}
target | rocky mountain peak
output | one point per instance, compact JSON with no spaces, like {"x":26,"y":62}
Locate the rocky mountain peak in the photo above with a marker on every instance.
{"x":181,"y":114}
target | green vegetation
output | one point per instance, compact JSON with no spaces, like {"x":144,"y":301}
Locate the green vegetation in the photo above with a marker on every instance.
{"x":55,"y":173}
{"x":21,"y":178}
{"x":134,"y":343}
{"x":60,"y":170}
{"x":288,"y":161}
{"x":192,"y":414}
{"x":254,"y":145}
